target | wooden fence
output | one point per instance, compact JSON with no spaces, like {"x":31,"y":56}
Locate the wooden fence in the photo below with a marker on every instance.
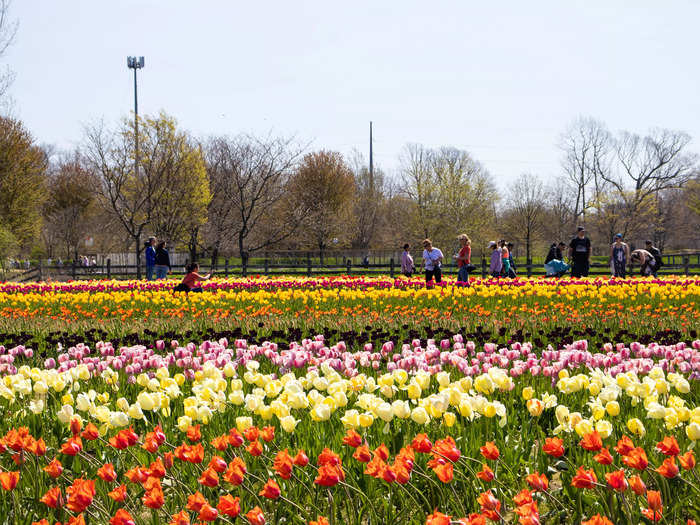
{"x":678,"y":264}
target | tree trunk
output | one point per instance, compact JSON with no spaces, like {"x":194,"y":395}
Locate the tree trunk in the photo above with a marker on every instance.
{"x":137,"y":238}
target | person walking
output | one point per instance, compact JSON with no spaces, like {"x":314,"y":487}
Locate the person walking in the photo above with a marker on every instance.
{"x":150,"y":258}
{"x":407,"y":266}
{"x":657,"y":256}
{"x":162,"y":265}
{"x":580,"y":253}
{"x":505,"y":259}
{"x":647,"y":262}
{"x":432,"y":258}
{"x":619,"y":255}
{"x":496,"y":260}
{"x":511,"y":271}
{"x":464,"y":259}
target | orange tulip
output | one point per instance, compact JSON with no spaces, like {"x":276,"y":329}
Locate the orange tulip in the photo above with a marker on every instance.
{"x":523,"y":497}
{"x":268,"y":434}
{"x":328,"y":457}
{"x":255,"y":516}
{"x":444,"y":472}
{"x":196,"y":501}
{"x":603,"y":457}
{"x":208,"y":513}
{"x":72,"y":446}
{"x":537,"y":481}
{"x":80,"y":495}
{"x":235,"y":438}
{"x":38,"y":447}
{"x":220,"y":443}
{"x":553,"y":447}
{"x":382,"y":451}
{"x":122,"y":517}
{"x":584,"y":479}
{"x":90,"y":433}
{"x":438,"y":518}
{"x":320,"y":520}
{"x":106,"y":473}
{"x":229,"y":506}
{"x":218,"y":464}
{"x":597,"y":520}
{"x":422,"y":444}
{"x":362,"y":454}
{"x":271,"y":490}
{"x":54,"y":468}
{"x":447,"y":448}
{"x":485,"y":474}
{"x":76,"y":520}
{"x":636,"y":458}
{"x":301,"y":459}
{"x":668,"y":468}
{"x":157,"y":469}
{"x":616,"y":480}
{"x":637,"y":485}
{"x":352,"y":439}
{"x":668,"y":446}
{"x":473,"y":519}
{"x":154,"y":498}
{"x":654,"y":500}
{"x":255,"y":449}
{"x":53,"y":498}
{"x":687,"y":460}
{"x":652,"y":515}
{"x":193,"y":433}
{"x":329,"y":475}
{"x":488,"y":502}
{"x":181,"y":518}
{"x":283,"y":464}
{"x":209,"y":478}
{"x":592,"y":441}
{"x":75,"y":426}
{"x":252,"y":433}
{"x":118,"y":494}
{"x":624,"y":446}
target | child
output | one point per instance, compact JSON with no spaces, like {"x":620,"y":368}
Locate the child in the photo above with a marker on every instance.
{"x":189,"y":281}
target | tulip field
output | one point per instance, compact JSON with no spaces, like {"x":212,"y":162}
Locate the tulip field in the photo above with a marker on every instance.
{"x":351,"y":400}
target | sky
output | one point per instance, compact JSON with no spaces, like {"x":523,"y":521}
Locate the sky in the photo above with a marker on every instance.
{"x":502,"y":80}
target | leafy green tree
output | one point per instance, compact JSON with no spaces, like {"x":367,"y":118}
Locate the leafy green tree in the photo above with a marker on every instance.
{"x":22,"y":182}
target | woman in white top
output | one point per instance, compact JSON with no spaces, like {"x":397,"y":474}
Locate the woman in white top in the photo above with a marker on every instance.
{"x":433,"y":261}
{"x":646,"y":260}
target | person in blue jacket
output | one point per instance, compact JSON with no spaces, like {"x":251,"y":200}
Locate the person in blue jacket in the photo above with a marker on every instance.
{"x":150,"y":258}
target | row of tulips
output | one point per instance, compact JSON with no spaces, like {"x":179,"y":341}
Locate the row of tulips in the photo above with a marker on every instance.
{"x":225,"y":432}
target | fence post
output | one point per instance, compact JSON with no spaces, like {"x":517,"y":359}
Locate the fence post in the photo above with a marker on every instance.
{"x":267,"y":266}
{"x":529,"y":267}
{"x":391,"y":267}
{"x":226,"y":267}
{"x":348,"y":265}
{"x":483,"y":267}
{"x":308,"y":265}
{"x":109,"y":268}
{"x":686,"y":262}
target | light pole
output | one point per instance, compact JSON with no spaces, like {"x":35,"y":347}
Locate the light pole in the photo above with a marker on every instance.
{"x":136,"y":63}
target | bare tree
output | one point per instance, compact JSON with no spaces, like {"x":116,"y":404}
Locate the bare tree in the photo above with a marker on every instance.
{"x":586,"y":146}
{"x":249,"y":179}
{"x":369,"y":202}
{"x":524,"y":214}
{"x":8,"y":31}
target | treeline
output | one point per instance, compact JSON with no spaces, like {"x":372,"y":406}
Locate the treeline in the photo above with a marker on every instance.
{"x":227,"y":196}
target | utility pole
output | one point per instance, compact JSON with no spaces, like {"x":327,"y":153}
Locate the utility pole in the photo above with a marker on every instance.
{"x":371,"y":160}
{"x":136,"y":63}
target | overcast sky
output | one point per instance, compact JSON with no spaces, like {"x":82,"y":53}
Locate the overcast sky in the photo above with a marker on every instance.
{"x":500,"y":79}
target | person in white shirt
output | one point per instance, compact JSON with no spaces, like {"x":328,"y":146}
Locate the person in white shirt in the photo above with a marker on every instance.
{"x":432,"y":258}
{"x":407,"y":266}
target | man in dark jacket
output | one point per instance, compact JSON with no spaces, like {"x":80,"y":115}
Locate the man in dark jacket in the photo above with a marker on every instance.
{"x":657,"y":257}
{"x":580,"y":253}
{"x":150,"y":258}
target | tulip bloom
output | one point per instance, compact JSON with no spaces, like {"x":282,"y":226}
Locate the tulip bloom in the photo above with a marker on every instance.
{"x":636,"y":459}
{"x":668,"y":468}
{"x":283,"y":464}
{"x":208,"y":513}
{"x":422,"y":444}
{"x":122,"y":517}
{"x":209,"y":478}
{"x":637,"y":485}
{"x":196,"y":501}
{"x":320,"y":520}
{"x":597,"y":520}
{"x":687,"y":460}
{"x":106,"y":473}
{"x":329,"y":475}
{"x":592,"y":442}
{"x":438,"y":518}
{"x":90,"y":433}
{"x":229,"y":506}
{"x":616,"y":480}
{"x":271,"y":490}
{"x":538,"y":482}
{"x":118,"y":494}
{"x":301,"y":459}
{"x":194,"y":434}
{"x":255,"y":516}
{"x":553,"y":447}
{"x":53,"y":498}
{"x":584,"y":479}
{"x":54,"y":468}
{"x":485,"y":474}
{"x":80,"y":495}
{"x":668,"y":446}
{"x":624,"y":446}
{"x":362,"y":454}
{"x":490,"y":451}
{"x":603,"y":457}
